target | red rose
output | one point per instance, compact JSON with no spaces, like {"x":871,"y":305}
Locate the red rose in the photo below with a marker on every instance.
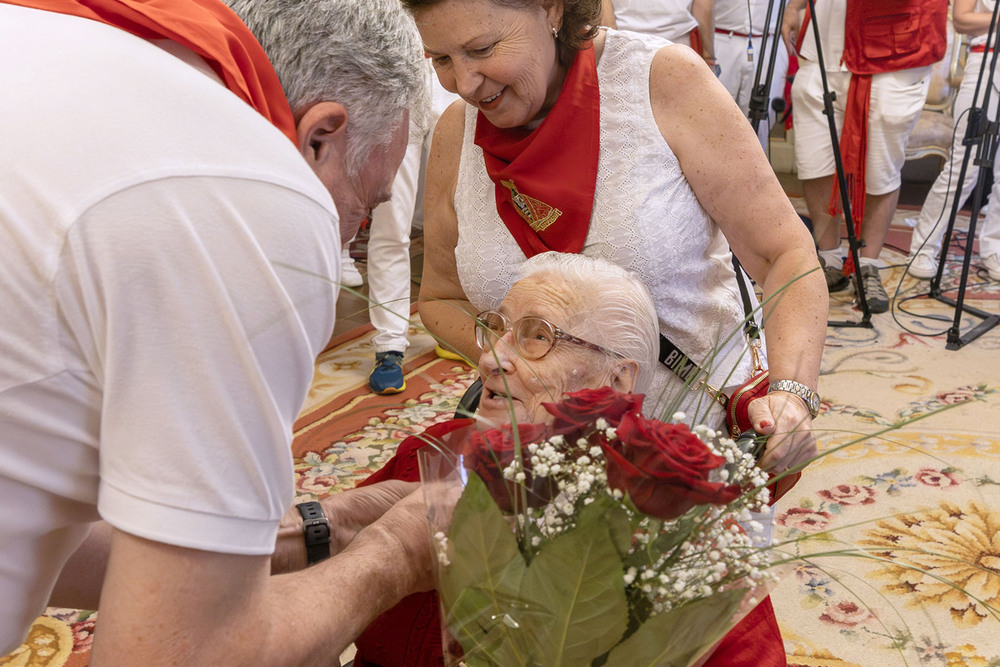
{"x":663,"y":468}
{"x":493,"y":450}
{"x":585,"y":406}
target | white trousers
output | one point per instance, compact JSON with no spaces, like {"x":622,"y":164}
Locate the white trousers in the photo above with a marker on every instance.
{"x":389,"y":236}
{"x":934,"y":214}
{"x":389,"y":256}
{"x":738,"y":72}
{"x":897,"y":99}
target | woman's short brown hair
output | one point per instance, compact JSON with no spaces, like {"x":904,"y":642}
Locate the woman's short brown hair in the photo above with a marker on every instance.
{"x":579,"y":24}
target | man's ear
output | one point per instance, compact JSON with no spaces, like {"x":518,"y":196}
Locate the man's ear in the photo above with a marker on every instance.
{"x":322,"y":133}
{"x":623,"y":376}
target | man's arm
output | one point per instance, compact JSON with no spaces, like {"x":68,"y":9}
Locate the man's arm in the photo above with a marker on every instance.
{"x":608,"y":14}
{"x":791,"y":24}
{"x":79,"y":584}
{"x":704,"y":13}
{"x":967,"y":21}
{"x":170,"y":605}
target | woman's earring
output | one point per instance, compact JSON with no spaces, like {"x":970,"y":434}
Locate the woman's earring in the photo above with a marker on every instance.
{"x":555,"y":33}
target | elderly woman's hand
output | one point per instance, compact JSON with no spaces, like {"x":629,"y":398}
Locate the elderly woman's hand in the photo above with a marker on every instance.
{"x":785,"y":418}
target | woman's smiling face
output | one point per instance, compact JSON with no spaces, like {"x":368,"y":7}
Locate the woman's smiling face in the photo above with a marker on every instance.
{"x":501,"y":60}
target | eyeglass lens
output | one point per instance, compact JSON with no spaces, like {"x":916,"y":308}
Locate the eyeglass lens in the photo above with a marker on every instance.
{"x":533,"y":336}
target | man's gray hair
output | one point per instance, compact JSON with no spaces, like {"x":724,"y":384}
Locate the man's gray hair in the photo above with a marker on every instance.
{"x":364,"y":54}
{"x":620,"y":316}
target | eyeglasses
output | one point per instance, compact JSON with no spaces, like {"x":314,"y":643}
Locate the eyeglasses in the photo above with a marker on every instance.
{"x":533,"y":336}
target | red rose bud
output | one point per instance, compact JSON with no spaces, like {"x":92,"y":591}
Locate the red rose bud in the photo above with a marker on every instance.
{"x":584,"y":407}
{"x":492,"y":451}
{"x":664,"y":468}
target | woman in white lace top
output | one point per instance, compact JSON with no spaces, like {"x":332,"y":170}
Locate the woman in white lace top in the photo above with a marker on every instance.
{"x":624,"y":146}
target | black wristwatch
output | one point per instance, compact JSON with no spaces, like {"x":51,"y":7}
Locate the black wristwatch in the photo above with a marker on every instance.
{"x":316,"y":530}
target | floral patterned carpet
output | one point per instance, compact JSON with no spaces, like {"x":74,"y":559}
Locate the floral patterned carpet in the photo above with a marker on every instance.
{"x":904,"y":514}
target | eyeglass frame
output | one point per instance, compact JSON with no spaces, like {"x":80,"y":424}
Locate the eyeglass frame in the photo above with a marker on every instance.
{"x":557,"y":334}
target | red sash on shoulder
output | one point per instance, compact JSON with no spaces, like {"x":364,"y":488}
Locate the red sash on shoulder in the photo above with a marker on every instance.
{"x":207,"y":27}
{"x":545,"y":178}
{"x":880,"y":36}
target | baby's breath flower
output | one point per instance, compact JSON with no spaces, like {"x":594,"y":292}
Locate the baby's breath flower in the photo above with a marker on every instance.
{"x":441,"y":542}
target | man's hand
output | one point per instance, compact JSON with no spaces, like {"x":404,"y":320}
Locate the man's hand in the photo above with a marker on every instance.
{"x":348,"y":512}
{"x":785,"y":418}
{"x":790,"y":25}
{"x":406,"y":524}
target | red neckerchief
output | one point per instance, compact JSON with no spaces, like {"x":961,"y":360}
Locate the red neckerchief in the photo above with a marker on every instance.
{"x":207,"y":27}
{"x":545,"y":178}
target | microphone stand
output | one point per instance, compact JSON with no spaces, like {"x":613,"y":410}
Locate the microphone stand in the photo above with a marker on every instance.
{"x":761,"y":90}
{"x":853,"y":242}
{"x":982,"y":133}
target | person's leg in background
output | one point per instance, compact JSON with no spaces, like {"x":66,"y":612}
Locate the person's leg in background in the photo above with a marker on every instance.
{"x":988,"y":228}
{"x":897,"y":98}
{"x":925,"y":244}
{"x":815,"y":163}
{"x":389,"y":275}
{"x":738,"y":73}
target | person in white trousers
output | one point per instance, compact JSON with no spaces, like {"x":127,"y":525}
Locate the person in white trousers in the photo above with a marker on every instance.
{"x":970,"y":17}
{"x":389,"y":274}
{"x":740,"y":40}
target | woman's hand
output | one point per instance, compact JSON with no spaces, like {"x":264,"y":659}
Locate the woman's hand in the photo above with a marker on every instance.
{"x":785,"y":418}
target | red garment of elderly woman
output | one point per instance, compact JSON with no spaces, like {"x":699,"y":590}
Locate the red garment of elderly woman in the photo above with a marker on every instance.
{"x":409,"y":634}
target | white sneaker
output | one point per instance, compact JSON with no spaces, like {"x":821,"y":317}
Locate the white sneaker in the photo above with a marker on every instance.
{"x":349,"y":274}
{"x":922,"y":266}
{"x":992,"y":266}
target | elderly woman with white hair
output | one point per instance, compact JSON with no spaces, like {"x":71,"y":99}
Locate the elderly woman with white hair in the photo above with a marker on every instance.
{"x":571,"y":322}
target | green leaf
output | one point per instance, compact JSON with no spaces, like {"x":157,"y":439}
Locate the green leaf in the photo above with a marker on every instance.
{"x":574,"y":592}
{"x":677,"y":638}
{"x":484,"y":575}
{"x":620,"y":527}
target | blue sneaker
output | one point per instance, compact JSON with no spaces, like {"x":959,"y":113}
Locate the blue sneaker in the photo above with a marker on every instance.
{"x":387,"y":376}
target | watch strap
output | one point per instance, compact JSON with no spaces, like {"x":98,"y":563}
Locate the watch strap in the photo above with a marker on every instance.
{"x":316,"y":530}
{"x":802,"y":391}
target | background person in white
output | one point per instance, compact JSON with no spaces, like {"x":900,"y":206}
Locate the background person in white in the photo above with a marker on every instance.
{"x":670,"y":19}
{"x":389,"y":274}
{"x":740,"y":39}
{"x":169,"y":267}
{"x":969,"y":17}
{"x":897,"y":98}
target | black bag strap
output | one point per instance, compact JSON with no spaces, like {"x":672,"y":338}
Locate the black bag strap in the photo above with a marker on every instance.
{"x":682,"y":365}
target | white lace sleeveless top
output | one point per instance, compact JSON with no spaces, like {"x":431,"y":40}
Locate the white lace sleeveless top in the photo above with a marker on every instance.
{"x":645,"y":218}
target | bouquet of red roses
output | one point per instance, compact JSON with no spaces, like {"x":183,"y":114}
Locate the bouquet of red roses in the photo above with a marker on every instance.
{"x":602,"y":538}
